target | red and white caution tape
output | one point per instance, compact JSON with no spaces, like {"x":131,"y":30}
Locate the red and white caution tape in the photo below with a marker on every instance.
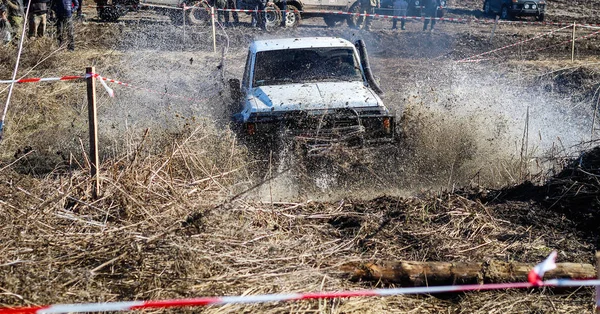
{"x":42,"y":79}
{"x":104,"y":79}
{"x":139,"y":305}
{"x":535,"y":280}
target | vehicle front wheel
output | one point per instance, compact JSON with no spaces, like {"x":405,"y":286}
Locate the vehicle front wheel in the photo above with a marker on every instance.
{"x":540,"y":17}
{"x":292,"y":16}
{"x":505,"y":14}
{"x":199,"y":13}
{"x":333,"y":20}
{"x":352,"y":19}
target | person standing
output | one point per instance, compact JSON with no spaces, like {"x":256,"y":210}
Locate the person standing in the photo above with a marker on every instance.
{"x":15,"y":16}
{"x":37,"y":18}
{"x":400,"y":8}
{"x":431,"y":8}
{"x":5,"y":28}
{"x":63,"y":9}
{"x":368,"y":7}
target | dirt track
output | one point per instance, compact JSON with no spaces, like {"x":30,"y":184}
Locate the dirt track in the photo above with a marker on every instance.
{"x":164,"y":220}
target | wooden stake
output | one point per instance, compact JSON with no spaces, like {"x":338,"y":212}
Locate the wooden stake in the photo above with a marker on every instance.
{"x":597,"y":287}
{"x":573,"y":44}
{"x":212,"y":17}
{"x":184,"y":9}
{"x":494,"y":29}
{"x":93,"y":130}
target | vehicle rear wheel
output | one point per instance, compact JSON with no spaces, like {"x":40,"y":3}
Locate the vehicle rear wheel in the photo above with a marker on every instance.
{"x":272,"y":16}
{"x":292,"y":16}
{"x":352,"y":19}
{"x":199,"y":13}
{"x":334,"y":20}
{"x":505,"y":14}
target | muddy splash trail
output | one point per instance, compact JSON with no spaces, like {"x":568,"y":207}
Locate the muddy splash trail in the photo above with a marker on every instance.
{"x":172,"y":222}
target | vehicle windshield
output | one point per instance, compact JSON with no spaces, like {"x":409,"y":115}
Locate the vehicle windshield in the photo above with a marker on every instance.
{"x":278,"y":67}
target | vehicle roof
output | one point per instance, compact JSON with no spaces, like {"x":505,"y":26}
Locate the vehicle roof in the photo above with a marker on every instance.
{"x":298,"y":42}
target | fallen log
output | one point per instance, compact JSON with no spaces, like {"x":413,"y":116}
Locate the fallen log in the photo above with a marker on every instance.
{"x":408,"y":273}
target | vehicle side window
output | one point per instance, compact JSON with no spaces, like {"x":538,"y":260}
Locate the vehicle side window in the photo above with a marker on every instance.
{"x":246,"y":78}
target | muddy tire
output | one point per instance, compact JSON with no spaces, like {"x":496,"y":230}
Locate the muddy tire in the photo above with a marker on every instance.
{"x":540,"y":17}
{"x":352,"y":20}
{"x":487,"y":10}
{"x":199,"y":14}
{"x":333,"y":20}
{"x":272,"y":16}
{"x":292,"y":16}
{"x":505,"y":13}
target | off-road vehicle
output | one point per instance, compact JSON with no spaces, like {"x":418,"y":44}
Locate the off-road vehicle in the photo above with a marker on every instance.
{"x":508,"y":9}
{"x":318,"y":92}
{"x":199,"y":10}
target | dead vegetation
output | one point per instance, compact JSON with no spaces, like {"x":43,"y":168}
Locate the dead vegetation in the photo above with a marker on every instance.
{"x":172,"y":220}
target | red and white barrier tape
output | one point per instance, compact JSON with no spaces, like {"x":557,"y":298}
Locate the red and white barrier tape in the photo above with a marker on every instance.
{"x":512,"y":45}
{"x":139,"y":305}
{"x":103,"y":79}
{"x":40,"y":79}
{"x":534,"y":280}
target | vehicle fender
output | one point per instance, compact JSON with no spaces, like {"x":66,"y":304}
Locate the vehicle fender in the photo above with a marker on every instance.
{"x":298,"y":4}
{"x":364,"y":60}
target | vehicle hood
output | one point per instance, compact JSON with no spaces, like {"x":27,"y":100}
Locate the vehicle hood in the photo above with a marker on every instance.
{"x":313,"y":96}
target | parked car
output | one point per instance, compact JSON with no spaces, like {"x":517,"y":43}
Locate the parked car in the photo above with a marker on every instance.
{"x":508,"y":9}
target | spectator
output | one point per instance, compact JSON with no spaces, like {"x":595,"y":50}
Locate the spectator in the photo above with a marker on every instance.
{"x":15,"y":16}
{"x":400,"y":8}
{"x":63,"y":9}
{"x":37,"y":18}
{"x":5,"y":29}
{"x":258,"y":16}
{"x":227,"y":4}
{"x":367,"y":7}
{"x":431,"y":9}
{"x":80,"y":15}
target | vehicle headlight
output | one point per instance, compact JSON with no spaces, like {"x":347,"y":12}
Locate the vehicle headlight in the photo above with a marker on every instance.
{"x":527,"y":6}
{"x":416,"y":2}
{"x":533,"y":6}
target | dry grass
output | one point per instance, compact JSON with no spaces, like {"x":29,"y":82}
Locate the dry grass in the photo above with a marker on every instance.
{"x":172,"y":220}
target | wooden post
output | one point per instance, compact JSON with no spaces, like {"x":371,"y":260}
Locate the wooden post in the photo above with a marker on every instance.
{"x":596,"y":306}
{"x":212,"y":17}
{"x":494,"y":28}
{"x":184,"y":9}
{"x":93,"y":130}
{"x":409,"y":273}
{"x":573,"y":44}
